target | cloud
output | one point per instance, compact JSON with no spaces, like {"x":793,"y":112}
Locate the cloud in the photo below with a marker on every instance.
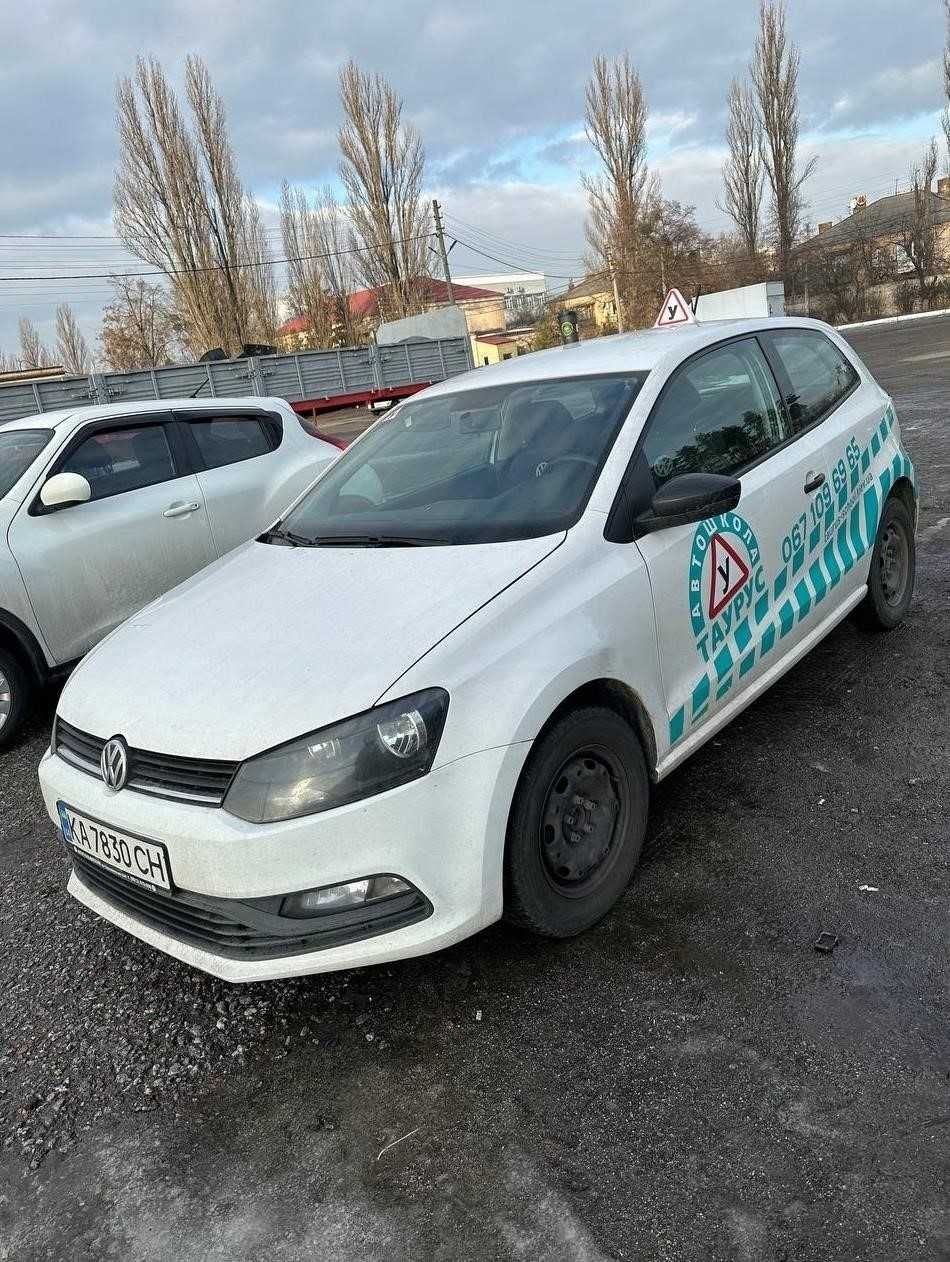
{"x":496,"y":90}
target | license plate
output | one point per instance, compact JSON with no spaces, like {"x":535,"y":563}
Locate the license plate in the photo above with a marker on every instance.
{"x":144,"y":862}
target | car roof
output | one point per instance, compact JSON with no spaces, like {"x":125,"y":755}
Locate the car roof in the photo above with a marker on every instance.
{"x":70,"y":418}
{"x":641,"y":351}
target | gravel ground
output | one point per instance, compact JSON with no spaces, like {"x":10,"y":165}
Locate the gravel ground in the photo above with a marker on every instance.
{"x":690,"y":1080}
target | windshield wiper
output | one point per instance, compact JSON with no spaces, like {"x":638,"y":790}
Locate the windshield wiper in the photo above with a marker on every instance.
{"x":377,"y":541}
{"x":277,"y":534}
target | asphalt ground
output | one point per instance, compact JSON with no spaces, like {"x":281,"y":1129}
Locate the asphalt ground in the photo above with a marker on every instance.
{"x":689,"y":1080}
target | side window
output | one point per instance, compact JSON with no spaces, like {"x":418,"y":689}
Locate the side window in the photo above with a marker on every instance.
{"x":118,"y":460}
{"x":819,"y":374}
{"x":718,"y":414}
{"x":225,"y":440}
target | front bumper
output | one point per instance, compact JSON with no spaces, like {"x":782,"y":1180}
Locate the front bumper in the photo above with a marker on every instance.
{"x":443,"y":833}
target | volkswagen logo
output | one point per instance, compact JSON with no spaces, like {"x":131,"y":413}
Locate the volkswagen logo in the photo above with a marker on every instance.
{"x":114,"y":763}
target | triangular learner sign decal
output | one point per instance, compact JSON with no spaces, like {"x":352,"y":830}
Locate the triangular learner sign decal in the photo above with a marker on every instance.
{"x":675,"y":310}
{"x":727,"y":573}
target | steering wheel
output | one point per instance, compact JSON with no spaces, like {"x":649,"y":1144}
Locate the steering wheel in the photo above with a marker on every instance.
{"x":569,"y":457}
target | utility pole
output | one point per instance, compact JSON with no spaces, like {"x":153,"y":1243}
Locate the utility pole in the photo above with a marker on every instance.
{"x":437,"y":219}
{"x":617,"y":307}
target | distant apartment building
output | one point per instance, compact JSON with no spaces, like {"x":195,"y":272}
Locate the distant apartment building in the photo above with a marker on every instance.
{"x":524,"y":292}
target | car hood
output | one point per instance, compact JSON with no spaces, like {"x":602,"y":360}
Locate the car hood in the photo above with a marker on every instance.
{"x":272,"y":642}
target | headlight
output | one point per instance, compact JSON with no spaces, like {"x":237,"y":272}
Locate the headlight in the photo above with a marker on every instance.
{"x":367,"y":754}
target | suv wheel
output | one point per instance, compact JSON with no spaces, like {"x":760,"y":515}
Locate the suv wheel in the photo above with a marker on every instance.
{"x":15,"y":690}
{"x":577,"y":824}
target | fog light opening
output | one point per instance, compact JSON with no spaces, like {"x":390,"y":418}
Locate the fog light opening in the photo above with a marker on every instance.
{"x":333,"y":898}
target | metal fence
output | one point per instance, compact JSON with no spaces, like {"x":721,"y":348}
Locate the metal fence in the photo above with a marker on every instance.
{"x":316,"y":375}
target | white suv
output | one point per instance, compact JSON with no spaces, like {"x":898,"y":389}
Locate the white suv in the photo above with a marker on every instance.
{"x":104,"y":508}
{"x":437,"y":691}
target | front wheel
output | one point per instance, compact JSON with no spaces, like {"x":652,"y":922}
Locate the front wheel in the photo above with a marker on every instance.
{"x":15,"y":692}
{"x":577,"y":824}
{"x":893,"y":566}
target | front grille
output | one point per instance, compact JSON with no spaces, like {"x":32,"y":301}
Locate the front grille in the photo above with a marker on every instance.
{"x":202,"y":781}
{"x":244,"y":930}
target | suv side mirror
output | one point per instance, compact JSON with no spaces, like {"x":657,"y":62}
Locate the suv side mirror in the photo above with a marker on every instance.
{"x":63,"y":489}
{"x":688,"y":498}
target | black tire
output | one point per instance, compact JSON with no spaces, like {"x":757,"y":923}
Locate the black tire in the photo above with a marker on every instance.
{"x":15,"y":695}
{"x":893,"y":567}
{"x":570,"y":852}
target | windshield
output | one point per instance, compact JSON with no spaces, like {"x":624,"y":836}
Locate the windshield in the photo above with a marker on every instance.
{"x":471,"y":466}
{"x":18,"y":449}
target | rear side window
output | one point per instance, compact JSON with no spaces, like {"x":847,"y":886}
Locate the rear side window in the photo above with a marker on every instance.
{"x":225,"y":440}
{"x":118,"y":460}
{"x":818,"y":376}
{"x":718,"y":414}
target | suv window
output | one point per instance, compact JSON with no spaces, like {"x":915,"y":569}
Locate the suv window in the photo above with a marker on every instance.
{"x":718,"y":413}
{"x":819,"y":374}
{"x":118,"y":460}
{"x":18,"y":449}
{"x":229,"y":439}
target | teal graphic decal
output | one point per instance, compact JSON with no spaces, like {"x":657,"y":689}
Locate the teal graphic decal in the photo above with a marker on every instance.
{"x":738,"y":613}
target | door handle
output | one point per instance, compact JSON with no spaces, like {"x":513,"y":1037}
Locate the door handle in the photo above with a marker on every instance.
{"x":180,"y":510}
{"x":813,"y":481}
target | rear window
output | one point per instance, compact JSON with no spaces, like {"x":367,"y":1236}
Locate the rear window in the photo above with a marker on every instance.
{"x":819,"y":374}
{"x":231,"y":439}
{"x":18,"y":449}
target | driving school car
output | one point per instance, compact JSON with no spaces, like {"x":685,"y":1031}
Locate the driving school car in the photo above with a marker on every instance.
{"x":438,"y":690}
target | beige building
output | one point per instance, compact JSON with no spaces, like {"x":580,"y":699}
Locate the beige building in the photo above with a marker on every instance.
{"x":884,"y":223}
{"x":593,"y":300}
{"x":492,"y":348}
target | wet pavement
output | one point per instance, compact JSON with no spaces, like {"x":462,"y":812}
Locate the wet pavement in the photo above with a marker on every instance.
{"x":689,"y":1080}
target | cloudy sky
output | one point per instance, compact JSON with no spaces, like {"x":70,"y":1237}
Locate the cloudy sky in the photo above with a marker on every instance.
{"x":496,"y":89}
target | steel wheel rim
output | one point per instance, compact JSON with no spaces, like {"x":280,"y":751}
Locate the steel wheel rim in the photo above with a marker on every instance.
{"x":582,"y":820}
{"x":6,"y":699}
{"x":893,"y":560}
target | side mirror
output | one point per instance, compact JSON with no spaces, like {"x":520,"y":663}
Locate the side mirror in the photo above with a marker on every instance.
{"x":688,"y":498}
{"x":63,"y":489}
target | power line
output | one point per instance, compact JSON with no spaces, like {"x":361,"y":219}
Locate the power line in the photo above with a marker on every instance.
{"x":507,"y":244}
{"x":214,"y":267}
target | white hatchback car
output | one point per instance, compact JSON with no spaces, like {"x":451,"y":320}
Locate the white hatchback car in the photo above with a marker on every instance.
{"x":438,"y":689}
{"x":104,"y":508}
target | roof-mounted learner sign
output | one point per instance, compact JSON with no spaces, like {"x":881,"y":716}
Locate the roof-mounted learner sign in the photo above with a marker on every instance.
{"x":675,"y":310}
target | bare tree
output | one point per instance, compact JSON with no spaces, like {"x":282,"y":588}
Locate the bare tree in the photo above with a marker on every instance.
{"x":33,"y":354}
{"x":842,"y":277}
{"x":138,"y":326}
{"x":71,"y":347}
{"x":918,"y":236}
{"x":319,"y":268}
{"x":381,"y":165}
{"x":615,"y":118}
{"x":774,"y":72}
{"x":945,"y":116}
{"x":743,"y":175}
{"x":179,"y":203}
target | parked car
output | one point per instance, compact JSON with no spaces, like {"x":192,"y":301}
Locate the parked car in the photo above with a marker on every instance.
{"x":104,"y":508}
{"x":437,"y":691}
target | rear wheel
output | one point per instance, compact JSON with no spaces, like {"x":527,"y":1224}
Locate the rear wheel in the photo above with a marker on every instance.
{"x":893,"y":563}
{"x":16,"y":688}
{"x":577,"y":824}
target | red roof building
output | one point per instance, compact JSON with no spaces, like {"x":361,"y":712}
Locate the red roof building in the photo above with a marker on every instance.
{"x":365,"y":303}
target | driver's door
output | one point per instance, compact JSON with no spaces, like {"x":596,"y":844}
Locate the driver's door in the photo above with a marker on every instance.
{"x":717,"y":585}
